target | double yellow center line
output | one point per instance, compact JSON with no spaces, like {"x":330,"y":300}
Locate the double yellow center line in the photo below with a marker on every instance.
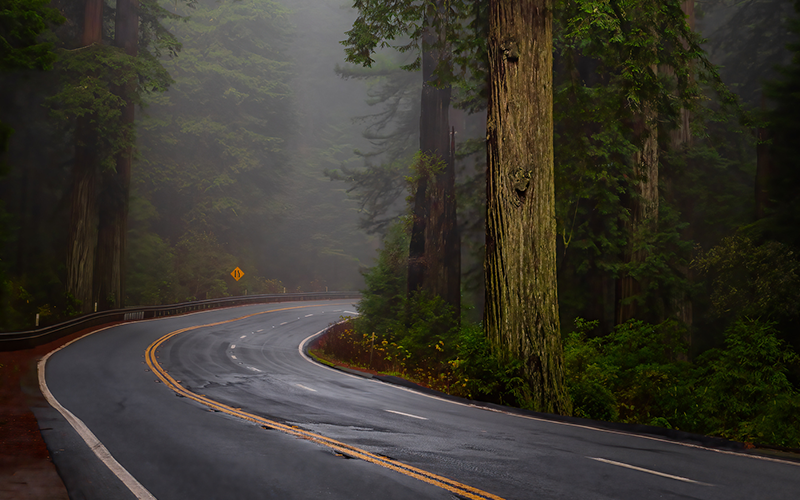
{"x":339,"y":447}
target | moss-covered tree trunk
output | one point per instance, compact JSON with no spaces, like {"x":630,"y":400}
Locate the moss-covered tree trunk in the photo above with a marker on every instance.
{"x":435,"y":247}
{"x":82,"y":239}
{"x":521,"y":312}
{"x":113,"y":223}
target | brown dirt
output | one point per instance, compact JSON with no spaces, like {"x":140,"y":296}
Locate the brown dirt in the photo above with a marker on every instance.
{"x":26,"y":470}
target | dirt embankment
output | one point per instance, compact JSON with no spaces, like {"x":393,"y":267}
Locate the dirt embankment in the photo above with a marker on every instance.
{"x":26,"y":470}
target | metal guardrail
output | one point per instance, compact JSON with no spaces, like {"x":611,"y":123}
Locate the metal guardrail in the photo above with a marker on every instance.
{"x":15,"y":341}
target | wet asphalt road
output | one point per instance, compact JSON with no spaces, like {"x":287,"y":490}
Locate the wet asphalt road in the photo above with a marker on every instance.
{"x":179,"y":449}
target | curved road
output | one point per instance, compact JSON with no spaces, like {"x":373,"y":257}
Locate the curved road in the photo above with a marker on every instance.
{"x":312,"y":432}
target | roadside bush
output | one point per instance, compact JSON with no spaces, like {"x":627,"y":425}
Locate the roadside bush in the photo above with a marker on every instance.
{"x":745,"y":394}
{"x":631,"y":375}
{"x":481,"y":375}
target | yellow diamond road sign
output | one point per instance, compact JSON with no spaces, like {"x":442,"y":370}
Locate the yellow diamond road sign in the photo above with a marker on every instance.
{"x":237,"y":274}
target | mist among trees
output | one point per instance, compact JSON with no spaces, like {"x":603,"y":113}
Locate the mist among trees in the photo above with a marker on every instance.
{"x":579,"y":203}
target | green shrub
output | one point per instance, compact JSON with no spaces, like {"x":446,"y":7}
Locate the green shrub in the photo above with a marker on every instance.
{"x":631,"y":375}
{"x":482,"y":375}
{"x":745,"y":394}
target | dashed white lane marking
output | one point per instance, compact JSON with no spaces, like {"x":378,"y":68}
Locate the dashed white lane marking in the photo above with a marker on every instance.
{"x":407,"y":414}
{"x":336,"y":311}
{"x":307,"y":315}
{"x":233,"y":346}
{"x":351,"y":312}
{"x":640,"y":469}
{"x":254,"y":369}
{"x":301,"y":350}
{"x":282,"y":324}
{"x":306,"y":388}
{"x":234,"y":357}
{"x":259,"y":331}
{"x":243,"y":336}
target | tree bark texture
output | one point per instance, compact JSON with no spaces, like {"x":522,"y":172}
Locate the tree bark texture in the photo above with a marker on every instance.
{"x":113,"y":224}
{"x":82,"y":240}
{"x":521,"y":312}
{"x":83,"y":217}
{"x":643,"y":210}
{"x":93,"y":22}
{"x":435,"y":248}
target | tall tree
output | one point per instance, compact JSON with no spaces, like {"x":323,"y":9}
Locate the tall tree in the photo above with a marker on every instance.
{"x":521,"y":313}
{"x":82,"y":239}
{"x":100,"y":85}
{"x":113,"y":215}
{"x":434,"y":248}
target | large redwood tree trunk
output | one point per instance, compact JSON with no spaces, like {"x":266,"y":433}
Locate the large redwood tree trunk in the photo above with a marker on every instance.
{"x":113,"y":224}
{"x":82,"y":239}
{"x":521,"y":312}
{"x":435,"y":248}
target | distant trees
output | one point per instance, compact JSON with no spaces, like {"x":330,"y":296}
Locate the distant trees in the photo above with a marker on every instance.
{"x":21,"y":24}
{"x":215,"y":152}
{"x":782,"y":182}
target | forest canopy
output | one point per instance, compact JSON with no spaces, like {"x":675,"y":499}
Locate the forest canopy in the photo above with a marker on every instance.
{"x":627,"y":223}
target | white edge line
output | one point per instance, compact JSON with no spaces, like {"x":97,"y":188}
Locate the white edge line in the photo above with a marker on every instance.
{"x":543,"y":420}
{"x":641,"y":469}
{"x":352,"y":312}
{"x":91,"y":440}
{"x":406,"y":414}
{"x":301,"y":349}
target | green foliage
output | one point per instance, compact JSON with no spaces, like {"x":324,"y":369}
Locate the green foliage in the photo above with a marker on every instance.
{"x":22,"y":23}
{"x":744,"y":393}
{"x":199,"y":259}
{"x":615,"y":61}
{"x":151,"y":270}
{"x":482,"y":375}
{"x":631,"y":375}
{"x":739,"y":392}
{"x":752,"y":280}
{"x":385,"y":285}
{"x":784,"y":129}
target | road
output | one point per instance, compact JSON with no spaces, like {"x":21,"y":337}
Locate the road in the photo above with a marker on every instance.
{"x":234,"y":411}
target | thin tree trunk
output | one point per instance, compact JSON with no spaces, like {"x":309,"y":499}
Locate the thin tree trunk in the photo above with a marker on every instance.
{"x":643,"y":207}
{"x":764,"y":170}
{"x":82,"y":240}
{"x":521,"y":312}
{"x":113,"y":230}
{"x":682,"y":138}
{"x":435,"y":247}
